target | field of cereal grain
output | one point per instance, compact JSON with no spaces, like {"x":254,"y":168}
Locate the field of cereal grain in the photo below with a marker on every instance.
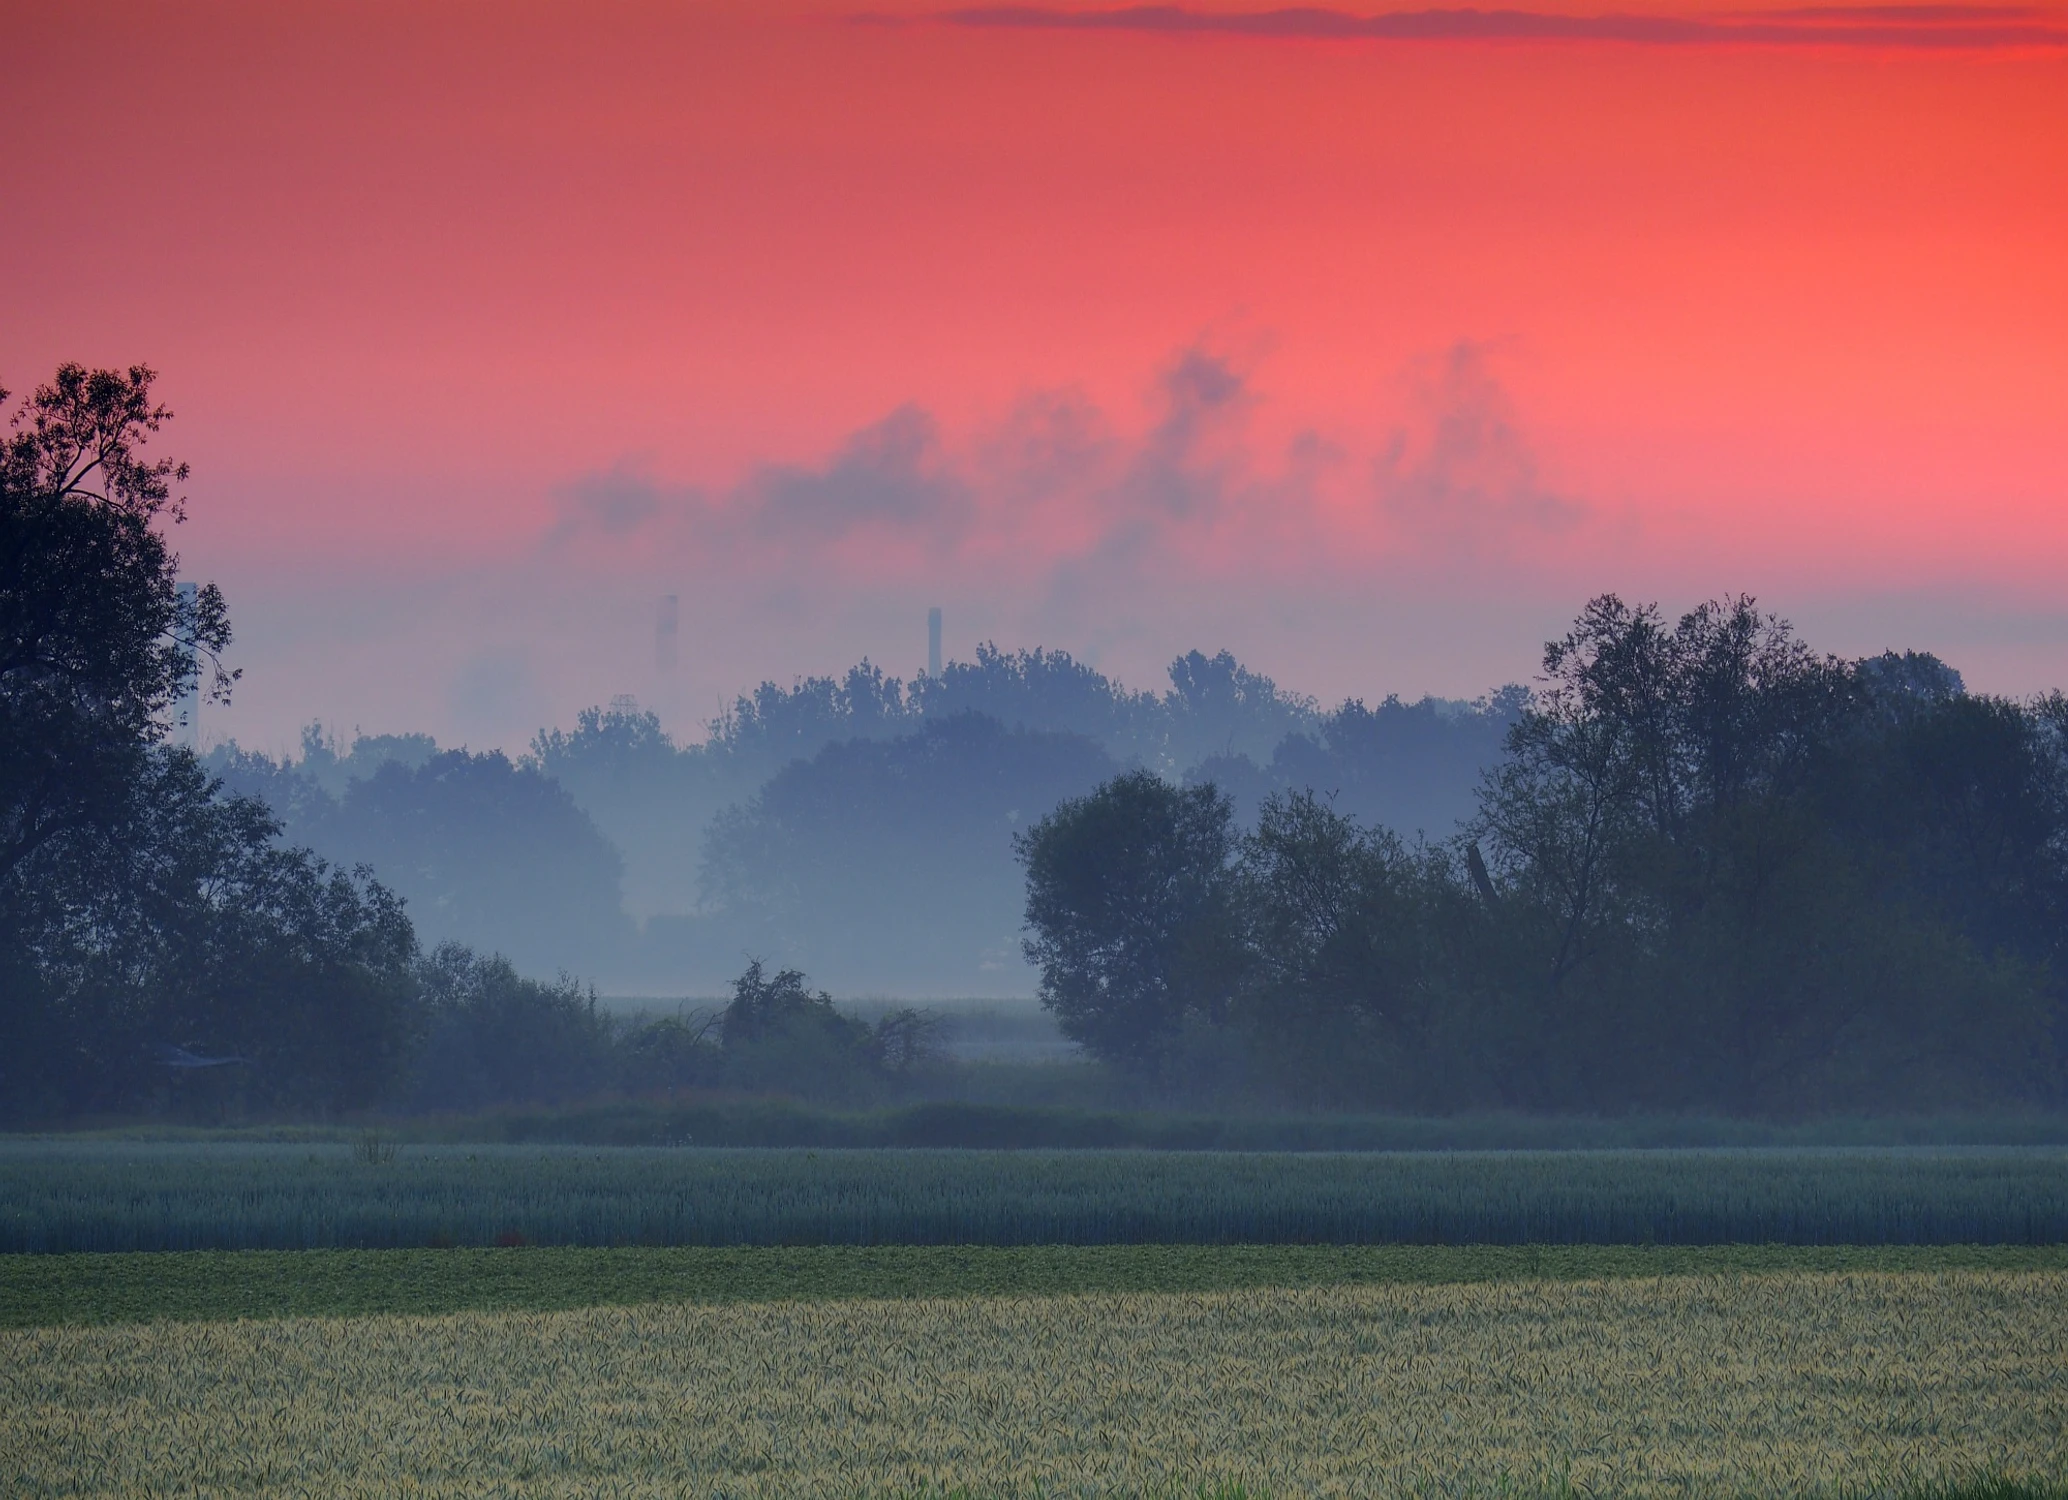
{"x":1783,"y":1384}
{"x":220,"y":1285}
{"x":58,"y":1197}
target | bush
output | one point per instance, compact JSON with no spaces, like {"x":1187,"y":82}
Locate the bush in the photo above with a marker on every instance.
{"x":494,"y":1037}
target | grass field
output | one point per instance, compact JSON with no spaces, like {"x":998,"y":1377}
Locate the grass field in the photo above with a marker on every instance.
{"x":101,"y":1196}
{"x":989,"y":1119}
{"x":1741,"y":1385}
{"x":215,"y":1285}
{"x":703,"y":1322}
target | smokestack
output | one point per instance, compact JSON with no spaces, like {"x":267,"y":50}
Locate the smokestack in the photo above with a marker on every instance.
{"x":933,"y":642}
{"x":667,"y":627}
{"x":186,"y":710}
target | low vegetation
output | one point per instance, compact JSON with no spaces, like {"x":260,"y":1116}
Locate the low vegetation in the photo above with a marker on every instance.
{"x":1782,"y":1385}
{"x":38,"y":1291}
{"x":720,"y":1120}
{"x":117,"y":1196}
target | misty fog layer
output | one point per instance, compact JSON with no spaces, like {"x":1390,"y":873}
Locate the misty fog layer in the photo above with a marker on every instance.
{"x":859,"y":828}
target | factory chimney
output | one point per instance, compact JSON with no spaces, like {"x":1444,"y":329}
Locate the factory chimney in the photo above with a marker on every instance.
{"x":667,"y":628}
{"x":933,"y":642}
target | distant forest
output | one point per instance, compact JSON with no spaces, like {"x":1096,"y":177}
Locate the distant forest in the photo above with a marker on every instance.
{"x":1697,"y":866}
{"x":857,"y":827}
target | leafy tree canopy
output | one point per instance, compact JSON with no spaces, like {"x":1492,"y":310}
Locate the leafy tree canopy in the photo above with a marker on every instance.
{"x":155,"y":942}
{"x":1130,"y":909}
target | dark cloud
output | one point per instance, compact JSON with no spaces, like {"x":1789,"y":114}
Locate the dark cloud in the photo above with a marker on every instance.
{"x":890,"y":474}
{"x":1920,"y":15}
{"x":1424,"y":548}
{"x":1054,"y":492}
{"x":1178,"y":475}
{"x":1925,"y":26}
{"x":1052,"y":443}
{"x":1198,"y":385}
{"x":616,"y":502}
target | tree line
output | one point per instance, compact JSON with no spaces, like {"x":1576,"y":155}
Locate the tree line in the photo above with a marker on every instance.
{"x":1714,"y":870}
{"x":1704,"y":867}
{"x":163,"y":948}
{"x":858,"y":826}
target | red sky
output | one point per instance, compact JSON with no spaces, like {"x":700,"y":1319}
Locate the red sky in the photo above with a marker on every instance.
{"x":1367,"y":356}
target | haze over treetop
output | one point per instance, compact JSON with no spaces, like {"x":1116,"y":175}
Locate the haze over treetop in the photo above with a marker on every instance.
{"x":494,"y":325}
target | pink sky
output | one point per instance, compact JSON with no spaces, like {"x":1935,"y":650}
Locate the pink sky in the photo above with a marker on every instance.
{"x":1368,"y":357}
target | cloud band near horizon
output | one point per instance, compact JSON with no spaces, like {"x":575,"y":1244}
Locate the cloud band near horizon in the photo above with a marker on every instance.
{"x":1920,"y":27}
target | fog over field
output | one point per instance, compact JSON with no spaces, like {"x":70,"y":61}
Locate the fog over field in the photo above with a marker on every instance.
{"x":857,"y":827}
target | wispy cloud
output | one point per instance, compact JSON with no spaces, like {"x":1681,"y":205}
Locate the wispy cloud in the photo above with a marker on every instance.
{"x":1422,"y":545}
{"x":1932,"y":27}
{"x":1465,"y":480}
{"x":889,"y":475}
{"x":614,"y":501}
{"x":1055,"y":491}
{"x":1916,"y":15}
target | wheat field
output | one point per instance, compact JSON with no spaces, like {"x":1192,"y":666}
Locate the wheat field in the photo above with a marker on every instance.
{"x":1763,"y":1385}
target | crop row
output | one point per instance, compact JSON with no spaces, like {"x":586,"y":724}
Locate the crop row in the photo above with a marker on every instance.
{"x":203,"y":1286}
{"x":1744,"y":1386}
{"x":94,"y":1196}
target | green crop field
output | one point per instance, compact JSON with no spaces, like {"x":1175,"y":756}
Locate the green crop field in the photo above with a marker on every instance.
{"x":210,"y":1285}
{"x":1055,"y":1126}
{"x":72,"y":1196}
{"x":1844,"y":1323}
{"x":1856,"y":1383}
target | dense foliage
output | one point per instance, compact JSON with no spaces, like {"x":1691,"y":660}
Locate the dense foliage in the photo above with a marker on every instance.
{"x":155,"y":942}
{"x":493,"y":1039}
{"x":1129,"y":897}
{"x":1715,"y":870}
{"x":486,"y":852}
